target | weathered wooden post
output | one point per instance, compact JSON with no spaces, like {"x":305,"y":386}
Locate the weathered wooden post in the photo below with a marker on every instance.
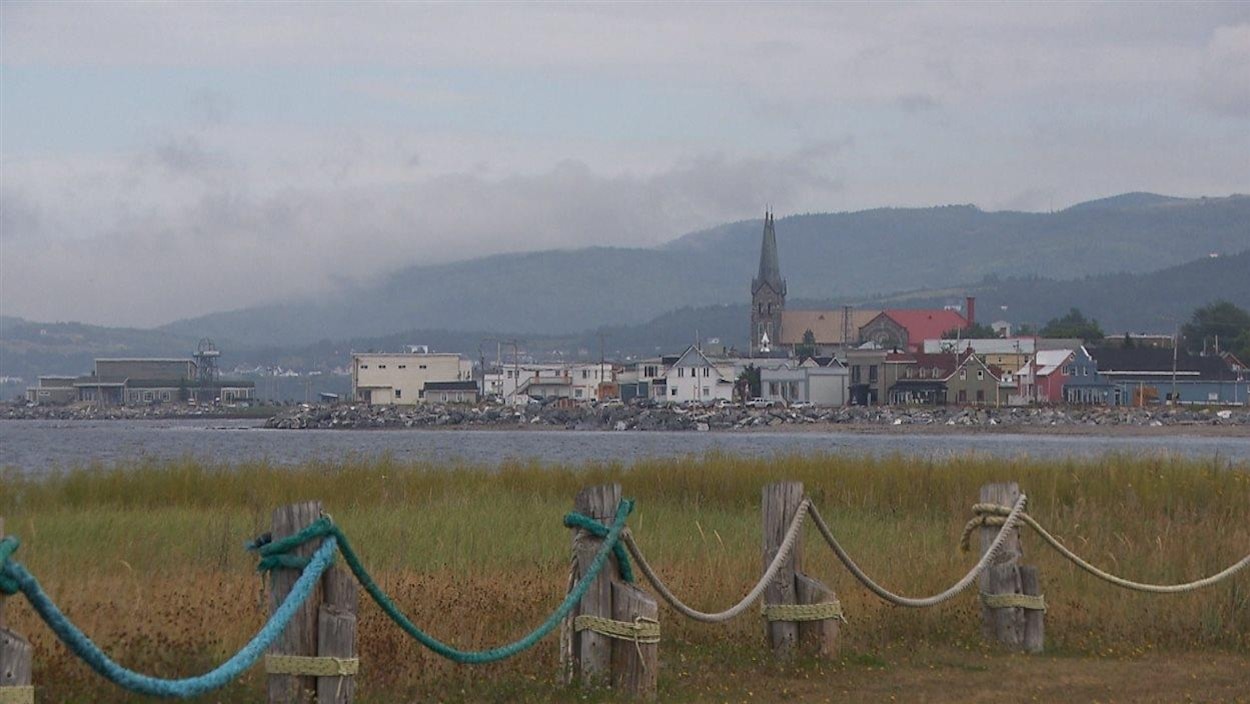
{"x":336,"y":637}
{"x":612,"y":637}
{"x":322,"y":634}
{"x":1012,"y":610}
{"x":16,"y":660}
{"x":798,"y":609}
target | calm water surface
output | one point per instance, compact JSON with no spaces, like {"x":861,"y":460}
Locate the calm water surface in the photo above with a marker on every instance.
{"x":38,"y":446}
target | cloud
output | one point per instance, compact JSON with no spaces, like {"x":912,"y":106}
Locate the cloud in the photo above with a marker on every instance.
{"x":214,"y":243}
{"x":1225,"y":74}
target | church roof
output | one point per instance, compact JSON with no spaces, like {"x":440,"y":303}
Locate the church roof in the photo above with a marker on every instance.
{"x":826,"y":325}
{"x":926,"y":323}
{"x":770,"y":266}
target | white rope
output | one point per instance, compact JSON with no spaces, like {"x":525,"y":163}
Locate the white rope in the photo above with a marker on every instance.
{"x":783,"y":553}
{"x":1129,"y":584}
{"x":1016,"y":512}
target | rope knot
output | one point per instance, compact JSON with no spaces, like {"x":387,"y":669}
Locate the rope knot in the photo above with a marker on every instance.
{"x":983,"y":516}
{"x":573,"y":519}
{"x":8,"y":583}
{"x":276,"y":554}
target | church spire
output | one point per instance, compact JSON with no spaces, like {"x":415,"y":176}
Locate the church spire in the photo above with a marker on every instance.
{"x":770,"y":267}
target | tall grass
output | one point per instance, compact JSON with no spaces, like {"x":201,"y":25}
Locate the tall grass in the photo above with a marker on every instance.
{"x":149,"y":560}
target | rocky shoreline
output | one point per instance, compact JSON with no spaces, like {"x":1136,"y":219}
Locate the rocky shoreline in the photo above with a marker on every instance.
{"x":668,"y":418}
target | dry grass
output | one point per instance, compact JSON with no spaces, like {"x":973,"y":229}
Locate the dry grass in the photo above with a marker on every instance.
{"x":148,"y":560}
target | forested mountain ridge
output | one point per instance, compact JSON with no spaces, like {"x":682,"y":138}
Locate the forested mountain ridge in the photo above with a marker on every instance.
{"x":827,"y":256}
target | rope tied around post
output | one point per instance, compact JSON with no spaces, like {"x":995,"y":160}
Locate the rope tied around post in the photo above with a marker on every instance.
{"x":573,"y":519}
{"x":275,"y":554}
{"x":311,"y":665}
{"x":803,"y":612}
{"x":17,"y":695}
{"x":996,"y":515}
{"x":640,"y":630}
{"x":1029,"y":602}
{"x":983,"y":516}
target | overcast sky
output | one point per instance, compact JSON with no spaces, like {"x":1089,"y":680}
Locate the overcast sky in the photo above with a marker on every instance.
{"x":162,"y":161}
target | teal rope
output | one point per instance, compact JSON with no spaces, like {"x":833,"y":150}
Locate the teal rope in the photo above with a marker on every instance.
{"x":276,"y":555}
{"x":471,"y":657}
{"x":8,"y":546}
{"x":223,"y":674}
{"x":597,"y":529}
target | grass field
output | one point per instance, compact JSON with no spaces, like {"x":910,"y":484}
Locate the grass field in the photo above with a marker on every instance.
{"x":149,"y":561}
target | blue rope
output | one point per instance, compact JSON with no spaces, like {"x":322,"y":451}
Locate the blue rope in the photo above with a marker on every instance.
{"x":223,"y":674}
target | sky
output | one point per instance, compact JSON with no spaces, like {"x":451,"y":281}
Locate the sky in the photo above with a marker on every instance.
{"x":161,"y":161}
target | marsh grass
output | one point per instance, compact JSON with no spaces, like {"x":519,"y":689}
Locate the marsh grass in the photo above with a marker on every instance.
{"x":148,"y":559}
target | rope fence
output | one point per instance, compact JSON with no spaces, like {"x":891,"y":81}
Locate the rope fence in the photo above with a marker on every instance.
{"x":616,"y":545}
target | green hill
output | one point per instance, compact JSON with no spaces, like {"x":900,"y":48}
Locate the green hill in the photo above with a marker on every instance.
{"x":841,"y":255}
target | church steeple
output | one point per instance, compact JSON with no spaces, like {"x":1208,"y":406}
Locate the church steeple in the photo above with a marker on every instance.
{"x":768,"y":293}
{"x":770,"y":267}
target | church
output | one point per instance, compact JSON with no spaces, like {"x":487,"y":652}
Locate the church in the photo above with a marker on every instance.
{"x":776,"y":331}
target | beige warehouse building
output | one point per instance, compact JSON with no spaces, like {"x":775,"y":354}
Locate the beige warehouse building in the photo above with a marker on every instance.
{"x":384,"y":378}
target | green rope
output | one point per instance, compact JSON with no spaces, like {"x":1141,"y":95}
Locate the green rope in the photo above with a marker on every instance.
{"x":276,"y":555}
{"x":8,"y":585}
{"x":574,"y":519}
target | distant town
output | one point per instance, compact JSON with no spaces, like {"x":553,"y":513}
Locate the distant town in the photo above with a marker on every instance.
{"x":846,"y":356}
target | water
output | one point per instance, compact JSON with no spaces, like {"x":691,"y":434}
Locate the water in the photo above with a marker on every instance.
{"x":38,"y":446}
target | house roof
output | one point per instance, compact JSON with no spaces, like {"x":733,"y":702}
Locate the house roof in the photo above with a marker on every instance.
{"x":693,"y":357}
{"x":1047,"y":361}
{"x":926,"y":323}
{"x":826,"y":325}
{"x":1157,"y":360}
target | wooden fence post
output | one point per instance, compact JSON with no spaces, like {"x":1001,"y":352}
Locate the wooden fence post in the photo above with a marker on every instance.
{"x":780,"y":504}
{"x":1014,"y":627}
{"x":16,"y":654}
{"x":300,"y":635}
{"x":336,"y":634}
{"x":596,"y":658}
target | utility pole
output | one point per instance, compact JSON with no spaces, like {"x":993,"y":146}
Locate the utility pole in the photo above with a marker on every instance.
{"x":602,"y":378}
{"x":1175,"y":344}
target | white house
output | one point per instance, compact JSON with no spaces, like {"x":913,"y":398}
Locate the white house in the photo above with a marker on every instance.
{"x":697,"y":378}
{"x":518,"y":383}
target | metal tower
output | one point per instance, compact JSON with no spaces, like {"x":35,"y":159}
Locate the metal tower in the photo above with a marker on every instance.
{"x":206,"y":361}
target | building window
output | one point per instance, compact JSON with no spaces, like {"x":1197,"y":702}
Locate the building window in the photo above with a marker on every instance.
{"x":980,"y":395}
{"x":674,"y":393}
{"x":706,"y":392}
{"x":980,"y":375}
{"x":872,"y":374}
{"x":403,"y":366}
{"x":583,"y":373}
{"x":681,"y":373}
{"x":578,"y":393}
{"x":963,"y":374}
{"x":399,"y":393}
{"x":707,"y":371}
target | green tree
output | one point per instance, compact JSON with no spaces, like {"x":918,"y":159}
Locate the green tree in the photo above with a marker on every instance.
{"x":749,"y":382}
{"x":1220,"y":321}
{"x":1074,"y":325}
{"x":808,"y":347}
{"x":976,"y":331}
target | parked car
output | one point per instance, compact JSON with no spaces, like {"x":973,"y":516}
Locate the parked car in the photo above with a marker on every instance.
{"x":758,"y":402}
